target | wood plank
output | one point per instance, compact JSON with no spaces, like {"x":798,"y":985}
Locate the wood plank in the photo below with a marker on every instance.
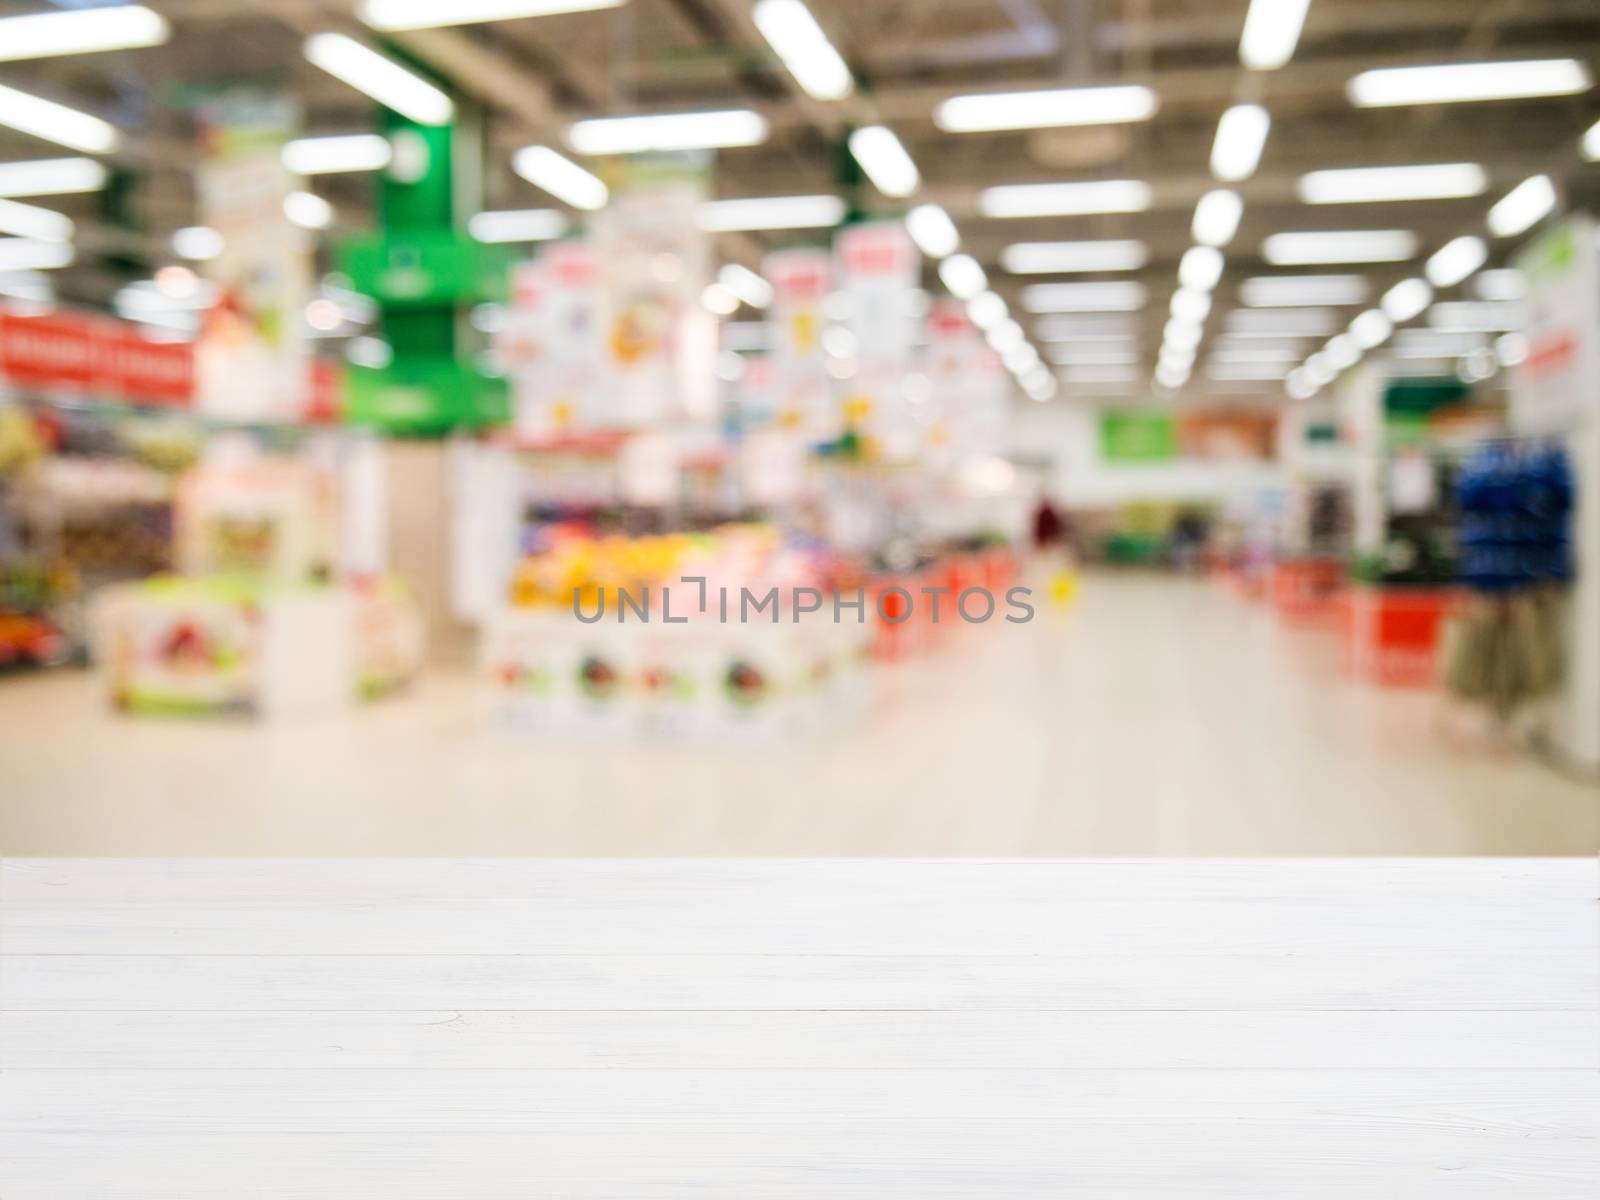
{"x":1526,"y":1104}
{"x":857,"y":1160}
{"x":780,"y":1040}
{"x":1313,"y":976}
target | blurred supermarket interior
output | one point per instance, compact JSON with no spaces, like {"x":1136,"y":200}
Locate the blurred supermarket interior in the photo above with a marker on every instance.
{"x":1142,"y":427}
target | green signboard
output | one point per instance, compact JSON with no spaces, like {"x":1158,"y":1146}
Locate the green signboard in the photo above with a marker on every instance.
{"x":1138,"y":437}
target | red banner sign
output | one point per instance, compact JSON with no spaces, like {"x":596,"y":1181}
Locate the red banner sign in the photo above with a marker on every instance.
{"x":94,"y":356}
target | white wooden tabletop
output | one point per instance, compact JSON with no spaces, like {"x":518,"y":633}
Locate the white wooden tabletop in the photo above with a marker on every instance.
{"x":877,"y":1030}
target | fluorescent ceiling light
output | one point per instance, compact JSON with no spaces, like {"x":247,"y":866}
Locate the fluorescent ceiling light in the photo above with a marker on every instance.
{"x":330,"y":155}
{"x":1094,"y":373}
{"x":51,"y":177}
{"x":1171,"y":375}
{"x":1281,"y":322}
{"x":1265,"y":344}
{"x":517,"y":225}
{"x":1406,"y":299}
{"x":56,"y":122}
{"x":1271,"y":32}
{"x":881,"y":155}
{"x":1005,"y":337}
{"x":1069,"y":328}
{"x":1507,"y":283}
{"x":85,"y":31}
{"x":1479,"y":317}
{"x":933,"y":231}
{"x":797,"y":39}
{"x":746,"y":284}
{"x":1436,"y":343}
{"x":1299,"y":291}
{"x":1064,"y":199}
{"x":1342,"y":351}
{"x":1367,"y":185}
{"x":1241,"y":136}
{"x":1342,"y":246}
{"x":24,"y":254}
{"x":1456,"y":83}
{"x":1083,"y":297}
{"x":668,"y":131}
{"x":1064,"y":258}
{"x":986,"y":310}
{"x":1216,"y":217}
{"x":1371,"y":329}
{"x":1455,"y":260}
{"x":197,"y":243}
{"x":431,"y":14}
{"x":560,"y":176}
{"x":380,"y":78}
{"x":1591,"y":143}
{"x":1243,"y":372}
{"x":1523,"y":207}
{"x":1190,"y":305}
{"x":1048,"y":108}
{"x":963,"y":276}
{"x":1180,"y":335}
{"x":1200,"y":268}
{"x":27,"y":285}
{"x":307,"y":210}
{"x":770,"y":212}
{"x":1248,"y":352}
{"x":1300,"y":385}
{"x":1120,"y":354}
{"x":1020,"y":359}
{"x":30,"y":221}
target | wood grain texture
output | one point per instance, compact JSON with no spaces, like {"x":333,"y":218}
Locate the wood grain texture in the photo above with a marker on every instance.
{"x":632,"y":1030}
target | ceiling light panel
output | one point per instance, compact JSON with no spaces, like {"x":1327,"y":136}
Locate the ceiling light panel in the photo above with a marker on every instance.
{"x":1066,"y":258}
{"x":1371,"y":185}
{"x":1456,"y":83}
{"x":1339,"y":246}
{"x":1048,"y":108}
{"x":1065,"y":199}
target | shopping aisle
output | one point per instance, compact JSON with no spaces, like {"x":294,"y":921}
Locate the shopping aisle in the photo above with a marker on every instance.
{"x":1155,"y":716}
{"x":799,"y":1030}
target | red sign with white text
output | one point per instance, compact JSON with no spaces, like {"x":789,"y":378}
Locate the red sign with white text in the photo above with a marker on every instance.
{"x":94,"y":356}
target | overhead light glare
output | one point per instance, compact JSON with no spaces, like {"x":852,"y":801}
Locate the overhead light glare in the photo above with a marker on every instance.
{"x":803,"y":48}
{"x":430,"y":14}
{"x":1241,"y":136}
{"x":1406,"y":299}
{"x":1457,"y":83}
{"x":564,"y":179}
{"x":332,"y":155}
{"x":882,"y":156}
{"x":1047,"y":108}
{"x":41,"y":118}
{"x":1299,"y":291}
{"x":1116,"y":296}
{"x":83,"y":31}
{"x":380,"y":78}
{"x":963,"y":276}
{"x":51,"y":177}
{"x":1455,"y":260}
{"x":1523,"y":207}
{"x":668,"y":131}
{"x":1216,"y":217}
{"x":770,"y":212}
{"x":746,"y":284}
{"x":1271,"y":33}
{"x":35,"y":223}
{"x":1065,"y":199}
{"x":517,"y":225}
{"x":1341,"y":246}
{"x":1370,"y":185}
{"x":1371,"y":329}
{"x":1200,"y":268}
{"x":25,"y":254}
{"x":1066,"y":258}
{"x":307,"y":210}
{"x":933,"y":231}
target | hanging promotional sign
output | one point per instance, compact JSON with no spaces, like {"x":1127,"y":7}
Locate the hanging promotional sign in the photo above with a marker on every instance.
{"x":879,"y":267}
{"x":94,"y":357}
{"x":1553,"y":388}
{"x":654,"y":261}
{"x":802,"y":391}
{"x":967,"y":388}
{"x":552,"y":345}
{"x":252,"y":354}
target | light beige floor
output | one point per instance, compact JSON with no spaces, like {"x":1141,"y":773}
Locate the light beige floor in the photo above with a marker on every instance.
{"x":1155,"y":717}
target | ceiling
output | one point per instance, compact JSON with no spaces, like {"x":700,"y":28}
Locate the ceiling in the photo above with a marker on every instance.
{"x":534,"y":76}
